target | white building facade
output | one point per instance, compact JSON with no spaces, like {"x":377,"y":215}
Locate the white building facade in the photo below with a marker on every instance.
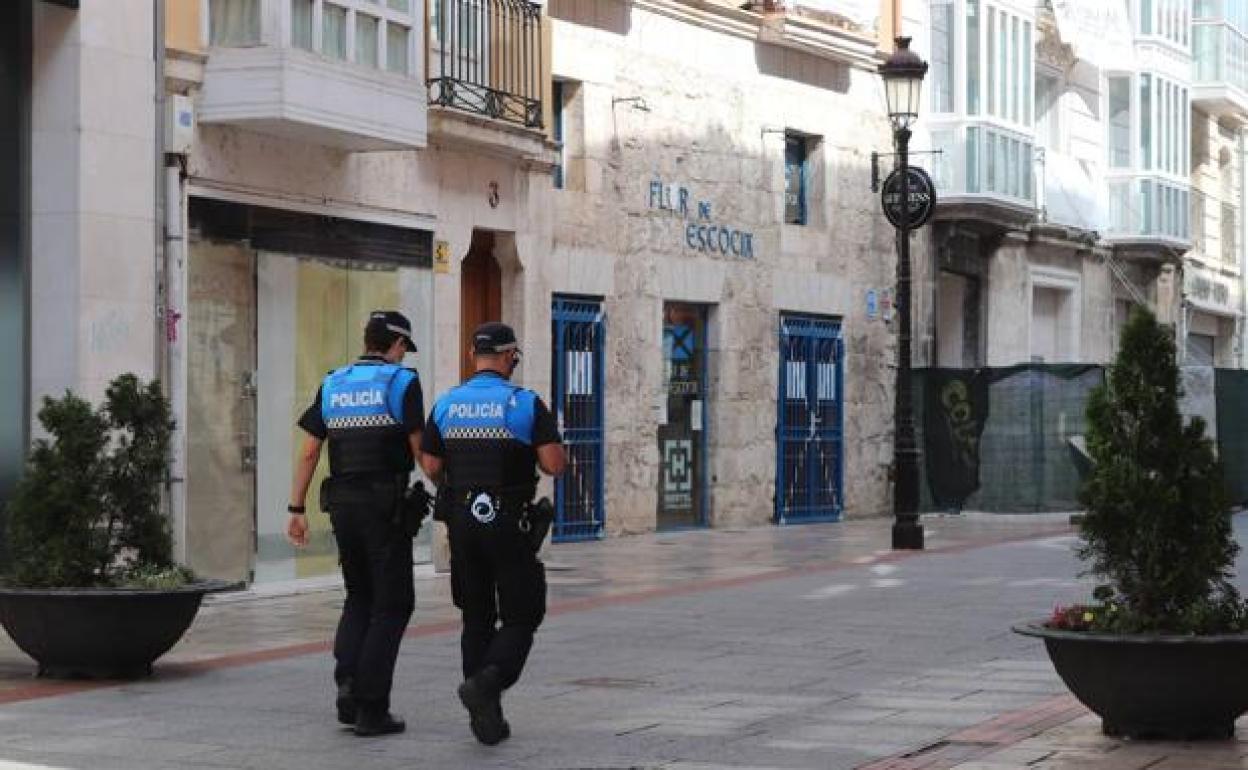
{"x":1089,"y":160}
{"x":79,"y":259}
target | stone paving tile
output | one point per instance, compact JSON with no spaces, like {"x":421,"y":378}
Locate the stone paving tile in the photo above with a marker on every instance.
{"x":744,"y":674}
{"x":618,"y":566}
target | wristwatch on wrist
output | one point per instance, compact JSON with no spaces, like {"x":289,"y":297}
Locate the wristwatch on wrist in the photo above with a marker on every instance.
{"x":298,"y":510}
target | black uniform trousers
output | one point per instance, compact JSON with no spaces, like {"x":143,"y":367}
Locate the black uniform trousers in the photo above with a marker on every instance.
{"x":376,"y":558}
{"x":499,"y":585}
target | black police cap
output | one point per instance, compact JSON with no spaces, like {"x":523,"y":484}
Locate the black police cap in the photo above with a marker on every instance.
{"x":494,"y":337}
{"x":393,"y":321}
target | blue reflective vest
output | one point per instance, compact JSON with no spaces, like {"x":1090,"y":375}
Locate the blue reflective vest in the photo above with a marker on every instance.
{"x":487,"y":427}
{"x":362,"y":405}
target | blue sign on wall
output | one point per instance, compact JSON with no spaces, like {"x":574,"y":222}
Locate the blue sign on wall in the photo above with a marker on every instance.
{"x":702,"y":233}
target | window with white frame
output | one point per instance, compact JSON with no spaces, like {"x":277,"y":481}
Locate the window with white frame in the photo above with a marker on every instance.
{"x":233,"y":23}
{"x":1008,"y":66}
{"x":1149,"y":131}
{"x":1149,"y":124}
{"x":1118,"y":91}
{"x":973,"y":56}
{"x":1170,"y":20}
{"x":1048,"y":111}
{"x":988,"y":48}
{"x":371,"y":33}
{"x":943,"y":59}
{"x":1166,"y":111}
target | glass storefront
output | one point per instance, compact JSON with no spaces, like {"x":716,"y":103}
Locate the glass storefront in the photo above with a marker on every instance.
{"x":276,"y":301}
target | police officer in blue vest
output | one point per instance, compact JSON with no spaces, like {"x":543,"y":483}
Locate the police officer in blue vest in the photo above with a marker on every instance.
{"x":483,"y":444}
{"x":371,"y":413}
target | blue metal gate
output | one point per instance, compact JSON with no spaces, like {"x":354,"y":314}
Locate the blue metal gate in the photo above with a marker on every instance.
{"x":810,"y":430}
{"x":579,"y":339}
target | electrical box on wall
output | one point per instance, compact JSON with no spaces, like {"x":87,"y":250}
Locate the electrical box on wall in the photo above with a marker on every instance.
{"x":179,"y":124}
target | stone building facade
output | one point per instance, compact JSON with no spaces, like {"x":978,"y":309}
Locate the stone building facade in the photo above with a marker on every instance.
{"x":668,"y":199}
{"x":325,"y":178}
{"x":673,"y":207}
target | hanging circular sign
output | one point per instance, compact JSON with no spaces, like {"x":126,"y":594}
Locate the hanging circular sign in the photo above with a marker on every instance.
{"x":922,"y":198}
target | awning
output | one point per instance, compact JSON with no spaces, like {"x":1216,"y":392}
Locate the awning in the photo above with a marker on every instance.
{"x":1099,"y":31}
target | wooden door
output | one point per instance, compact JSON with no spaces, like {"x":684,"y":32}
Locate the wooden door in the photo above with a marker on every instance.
{"x":481,"y":294}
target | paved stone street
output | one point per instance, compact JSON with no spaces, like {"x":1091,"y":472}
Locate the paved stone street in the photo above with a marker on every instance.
{"x":803,"y":647}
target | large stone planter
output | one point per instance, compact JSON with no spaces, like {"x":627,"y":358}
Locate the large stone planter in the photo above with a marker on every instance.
{"x":1153,"y":686}
{"x":100,"y":632}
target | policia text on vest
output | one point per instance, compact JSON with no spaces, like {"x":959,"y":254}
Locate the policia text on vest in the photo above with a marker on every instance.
{"x":483,"y":444}
{"x":371,"y":413}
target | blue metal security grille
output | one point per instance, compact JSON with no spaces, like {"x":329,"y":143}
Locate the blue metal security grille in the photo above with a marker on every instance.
{"x":579,"y":335}
{"x":810,"y":431}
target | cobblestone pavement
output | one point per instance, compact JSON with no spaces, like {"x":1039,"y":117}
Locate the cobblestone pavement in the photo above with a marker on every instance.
{"x":802,"y":647}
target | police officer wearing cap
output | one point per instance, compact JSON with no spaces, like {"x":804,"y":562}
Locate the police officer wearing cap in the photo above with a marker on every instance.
{"x":483,"y":444}
{"x":371,"y":412}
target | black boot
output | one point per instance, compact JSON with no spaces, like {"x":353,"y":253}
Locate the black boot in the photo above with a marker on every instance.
{"x":506,"y":731}
{"x":481,"y":695}
{"x":377,"y":721}
{"x":345,"y":703}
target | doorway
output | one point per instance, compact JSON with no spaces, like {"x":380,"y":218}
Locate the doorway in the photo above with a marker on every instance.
{"x":481,"y":294}
{"x":578,"y":378}
{"x":276,"y":300}
{"x":810,"y":429}
{"x":682,"y":426}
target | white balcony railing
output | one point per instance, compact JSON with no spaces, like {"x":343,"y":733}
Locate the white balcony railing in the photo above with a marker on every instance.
{"x":1221,"y":55}
{"x":980,"y":160}
{"x":1149,"y":208}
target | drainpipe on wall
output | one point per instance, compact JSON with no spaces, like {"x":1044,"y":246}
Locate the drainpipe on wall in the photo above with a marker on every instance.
{"x":175,"y":309}
{"x":166,"y":215}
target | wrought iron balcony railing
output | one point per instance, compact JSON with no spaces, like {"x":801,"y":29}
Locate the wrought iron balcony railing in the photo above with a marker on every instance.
{"x":486,"y":58}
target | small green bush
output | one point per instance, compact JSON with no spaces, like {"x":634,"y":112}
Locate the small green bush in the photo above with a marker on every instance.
{"x":87,"y":511}
{"x":1158,"y":526}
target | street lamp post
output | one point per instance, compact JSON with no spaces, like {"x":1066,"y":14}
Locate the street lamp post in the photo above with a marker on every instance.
{"x":903,"y":80}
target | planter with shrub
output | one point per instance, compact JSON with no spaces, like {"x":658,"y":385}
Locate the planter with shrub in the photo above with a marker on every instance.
{"x":91,"y":588}
{"x":1160,"y":651}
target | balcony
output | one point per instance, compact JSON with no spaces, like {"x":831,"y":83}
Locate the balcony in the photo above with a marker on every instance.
{"x":1220,"y":53}
{"x":486,"y":59}
{"x":1149,"y":215}
{"x":340,"y":73}
{"x":984,"y":171}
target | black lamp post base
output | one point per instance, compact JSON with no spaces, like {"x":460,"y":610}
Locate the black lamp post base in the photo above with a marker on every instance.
{"x":907,"y":536}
